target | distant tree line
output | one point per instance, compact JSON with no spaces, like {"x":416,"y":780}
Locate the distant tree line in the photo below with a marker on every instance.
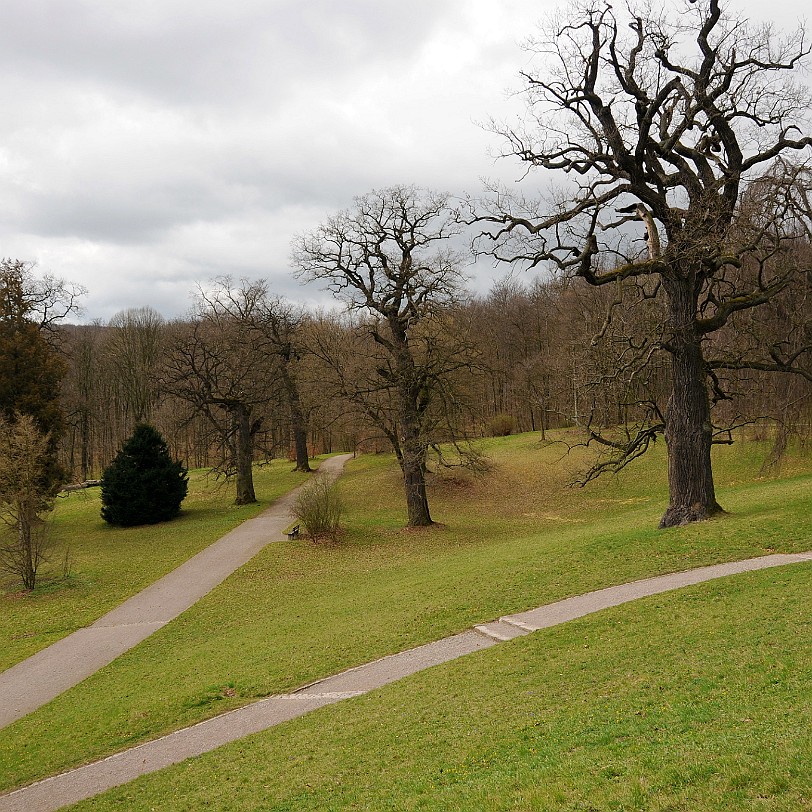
{"x":540,"y":352}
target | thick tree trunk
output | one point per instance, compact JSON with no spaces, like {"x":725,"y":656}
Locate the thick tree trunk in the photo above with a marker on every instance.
{"x":413,"y":464}
{"x":300,"y":446}
{"x":688,"y":430}
{"x":297,"y":421}
{"x":413,"y":450}
{"x":245,"y":456}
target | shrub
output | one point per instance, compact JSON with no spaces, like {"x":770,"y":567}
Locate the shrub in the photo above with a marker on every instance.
{"x":501,"y":425}
{"x":25,"y":494}
{"x":319,"y":508}
{"x":143,"y":484}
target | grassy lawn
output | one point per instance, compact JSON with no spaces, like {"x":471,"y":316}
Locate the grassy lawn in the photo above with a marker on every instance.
{"x":515,"y":539}
{"x":696,"y":700}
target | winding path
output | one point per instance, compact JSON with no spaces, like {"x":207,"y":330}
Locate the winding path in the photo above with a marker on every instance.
{"x":92,"y":779}
{"x":42,"y":677}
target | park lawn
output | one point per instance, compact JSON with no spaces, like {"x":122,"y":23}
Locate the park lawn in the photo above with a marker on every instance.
{"x":106,"y":565}
{"x":699,"y":699}
{"x":515,"y":539}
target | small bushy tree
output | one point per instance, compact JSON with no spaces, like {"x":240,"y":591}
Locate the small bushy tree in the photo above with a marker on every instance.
{"x":501,"y":425}
{"x":25,"y":494}
{"x":143,"y":484}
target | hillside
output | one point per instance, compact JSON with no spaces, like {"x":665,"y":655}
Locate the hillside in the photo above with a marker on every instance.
{"x":671,"y":702}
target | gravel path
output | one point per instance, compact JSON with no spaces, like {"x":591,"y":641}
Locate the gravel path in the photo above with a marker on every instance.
{"x":33,"y":682}
{"x":92,"y":779}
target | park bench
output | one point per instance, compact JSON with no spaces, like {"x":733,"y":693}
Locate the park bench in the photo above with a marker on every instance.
{"x":294,"y":534}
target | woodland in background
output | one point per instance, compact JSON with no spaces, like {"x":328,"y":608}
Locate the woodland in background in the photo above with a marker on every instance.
{"x":539,"y":355}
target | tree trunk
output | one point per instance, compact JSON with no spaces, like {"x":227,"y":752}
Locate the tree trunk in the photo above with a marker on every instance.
{"x":412,"y":462}
{"x":28,"y":566}
{"x":300,"y":446}
{"x":84,"y":440}
{"x":417,"y":503}
{"x":412,"y":447}
{"x":297,"y":421}
{"x":245,"y":456}
{"x":688,"y":429}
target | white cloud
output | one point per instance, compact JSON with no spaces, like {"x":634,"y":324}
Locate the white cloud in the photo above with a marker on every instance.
{"x":151,"y":144}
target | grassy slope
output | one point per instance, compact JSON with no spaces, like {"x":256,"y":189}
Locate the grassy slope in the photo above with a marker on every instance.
{"x":275,"y":623}
{"x":696,"y":700}
{"x":108,"y":565}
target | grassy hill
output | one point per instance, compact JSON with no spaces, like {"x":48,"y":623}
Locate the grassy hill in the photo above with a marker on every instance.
{"x":674,"y":702}
{"x":94,"y":567}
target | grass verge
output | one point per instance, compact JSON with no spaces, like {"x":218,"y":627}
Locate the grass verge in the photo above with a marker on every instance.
{"x":108,"y":564}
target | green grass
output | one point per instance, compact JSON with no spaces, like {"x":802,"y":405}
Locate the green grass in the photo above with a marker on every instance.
{"x":695,"y":700}
{"x":108,"y":564}
{"x":515,"y":539}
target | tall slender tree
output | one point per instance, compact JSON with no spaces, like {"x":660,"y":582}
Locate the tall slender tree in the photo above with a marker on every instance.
{"x":134,"y":350}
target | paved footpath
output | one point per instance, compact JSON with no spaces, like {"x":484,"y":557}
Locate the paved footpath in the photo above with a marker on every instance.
{"x":92,"y":779}
{"x":33,"y":682}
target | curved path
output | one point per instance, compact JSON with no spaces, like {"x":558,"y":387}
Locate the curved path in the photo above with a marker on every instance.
{"x":39,"y":679}
{"x":92,"y":779}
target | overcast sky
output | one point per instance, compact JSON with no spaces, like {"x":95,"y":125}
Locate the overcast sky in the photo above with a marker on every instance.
{"x":148,"y":145}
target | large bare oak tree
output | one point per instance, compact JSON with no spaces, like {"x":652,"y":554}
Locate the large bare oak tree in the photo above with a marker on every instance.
{"x":389,"y":257}
{"x":273,"y":331}
{"x":227,"y":363}
{"x":676,"y":140}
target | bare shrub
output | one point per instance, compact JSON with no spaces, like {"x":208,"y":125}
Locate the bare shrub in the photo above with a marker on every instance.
{"x":319,"y":509}
{"x":501,"y":425}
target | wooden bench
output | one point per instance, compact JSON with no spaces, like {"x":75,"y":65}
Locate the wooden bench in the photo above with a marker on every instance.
{"x":294,"y":534}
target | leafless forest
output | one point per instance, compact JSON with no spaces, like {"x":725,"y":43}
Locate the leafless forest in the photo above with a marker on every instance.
{"x":530,"y":356}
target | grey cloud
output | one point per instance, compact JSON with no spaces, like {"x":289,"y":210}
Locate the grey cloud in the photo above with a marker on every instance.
{"x":151,"y":144}
{"x":198,"y":52}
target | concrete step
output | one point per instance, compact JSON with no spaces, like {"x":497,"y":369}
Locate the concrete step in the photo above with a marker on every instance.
{"x":500,"y":630}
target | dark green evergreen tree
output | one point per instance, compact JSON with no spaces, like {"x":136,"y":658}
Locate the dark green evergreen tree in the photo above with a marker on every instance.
{"x":143,"y":484}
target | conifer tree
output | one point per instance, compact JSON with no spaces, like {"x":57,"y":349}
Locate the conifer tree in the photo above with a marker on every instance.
{"x":143,"y":484}
{"x":31,"y":368}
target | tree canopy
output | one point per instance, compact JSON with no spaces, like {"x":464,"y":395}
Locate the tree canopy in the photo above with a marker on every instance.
{"x":678,"y":137}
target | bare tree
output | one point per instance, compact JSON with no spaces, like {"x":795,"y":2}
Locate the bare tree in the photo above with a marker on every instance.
{"x":353,"y":402}
{"x":220,"y":366}
{"x":134,"y":349}
{"x":81,"y":395}
{"x":523,"y":334}
{"x":389,"y":257}
{"x":43,"y":300}
{"x":25,"y":494}
{"x":274,"y":326}
{"x":204,"y":368}
{"x":663,"y":124}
